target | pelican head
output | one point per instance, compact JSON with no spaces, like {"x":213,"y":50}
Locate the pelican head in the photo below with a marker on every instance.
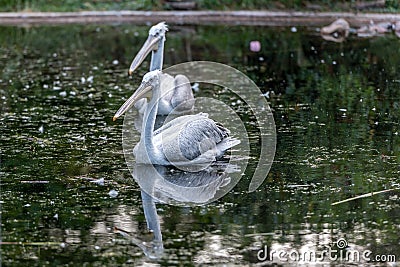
{"x":149,"y":82}
{"x":153,"y":43}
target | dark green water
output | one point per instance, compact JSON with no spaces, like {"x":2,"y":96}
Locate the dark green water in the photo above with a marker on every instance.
{"x":336,"y":108}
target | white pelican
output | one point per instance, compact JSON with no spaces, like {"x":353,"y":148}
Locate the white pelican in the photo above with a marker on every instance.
{"x":185,"y":140}
{"x":181,"y":93}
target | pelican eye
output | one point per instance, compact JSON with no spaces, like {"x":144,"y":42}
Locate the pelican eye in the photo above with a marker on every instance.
{"x":156,"y":33}
{"x":149,"y":81}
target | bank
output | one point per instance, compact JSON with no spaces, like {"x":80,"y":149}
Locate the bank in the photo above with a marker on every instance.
{"x":266,"y":18}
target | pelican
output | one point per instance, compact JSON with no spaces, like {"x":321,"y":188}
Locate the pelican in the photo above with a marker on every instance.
{"x":177,"y":99}
{"x":185,"y":140}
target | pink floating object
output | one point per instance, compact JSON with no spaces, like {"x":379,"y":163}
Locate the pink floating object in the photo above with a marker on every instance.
{"x":255,"y":46}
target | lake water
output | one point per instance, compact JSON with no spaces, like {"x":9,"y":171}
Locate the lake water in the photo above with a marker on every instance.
{"x":336,"y":108}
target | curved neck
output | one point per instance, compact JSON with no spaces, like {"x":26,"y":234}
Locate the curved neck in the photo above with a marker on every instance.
{"x":149,"y":120}
{"x":153,"y":224}
{"x":150,"y":213}
{"x":157,"y":57}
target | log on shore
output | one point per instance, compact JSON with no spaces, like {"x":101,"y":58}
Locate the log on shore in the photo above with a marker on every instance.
{"x":263,"y":18}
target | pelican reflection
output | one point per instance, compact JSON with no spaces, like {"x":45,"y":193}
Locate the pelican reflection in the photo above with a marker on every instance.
{"x":168,"y":185}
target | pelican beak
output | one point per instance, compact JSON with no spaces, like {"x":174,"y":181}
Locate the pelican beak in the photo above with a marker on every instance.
{"x":141,"y":92}
{"x":151,"y":44}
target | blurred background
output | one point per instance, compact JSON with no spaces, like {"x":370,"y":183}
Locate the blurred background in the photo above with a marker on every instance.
{"x":314,"y":5}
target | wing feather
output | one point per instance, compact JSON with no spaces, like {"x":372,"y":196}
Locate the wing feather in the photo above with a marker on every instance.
{"x":188,"y":137}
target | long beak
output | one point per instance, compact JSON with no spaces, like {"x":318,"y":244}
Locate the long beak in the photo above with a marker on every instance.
{"x":143,"y":89}
{"x":151,"y":44}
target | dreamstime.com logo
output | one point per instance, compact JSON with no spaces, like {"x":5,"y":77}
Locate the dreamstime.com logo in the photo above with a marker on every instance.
{"x":204,"y":183}
{"x":340,"y":252}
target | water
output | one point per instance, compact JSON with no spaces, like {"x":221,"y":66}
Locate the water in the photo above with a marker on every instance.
{"x":336,"y":108}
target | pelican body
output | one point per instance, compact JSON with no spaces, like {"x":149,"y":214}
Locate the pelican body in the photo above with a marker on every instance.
{"x":178,"y":95}
{"x":185,"y":140}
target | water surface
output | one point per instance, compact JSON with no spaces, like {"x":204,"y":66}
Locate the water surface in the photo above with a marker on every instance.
{"x":336,"y":109}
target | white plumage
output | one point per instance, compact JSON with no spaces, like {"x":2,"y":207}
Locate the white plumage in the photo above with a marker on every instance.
{"x":186,"y":140}
{"x":176,"y":92}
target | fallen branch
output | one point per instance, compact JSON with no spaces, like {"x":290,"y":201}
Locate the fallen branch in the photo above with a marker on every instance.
{"x":364,"y":196}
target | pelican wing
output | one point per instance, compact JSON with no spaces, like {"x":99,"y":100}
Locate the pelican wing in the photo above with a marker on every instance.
{"x":190,"y":138}
{"x":176,"y":96}
{"x":179,"y":122}
{"x":182,"y":99}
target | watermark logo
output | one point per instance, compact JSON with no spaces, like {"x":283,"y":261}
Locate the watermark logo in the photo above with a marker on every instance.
{"x":339,"y":251}
{"x":341,"y":243}
{"x":230,"y":80}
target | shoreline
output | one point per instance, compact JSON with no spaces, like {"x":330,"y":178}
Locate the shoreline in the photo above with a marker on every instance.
{"x":261,"y":18}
